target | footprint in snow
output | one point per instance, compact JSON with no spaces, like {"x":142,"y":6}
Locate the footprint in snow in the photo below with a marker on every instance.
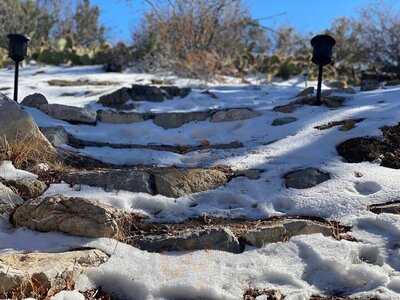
{"x":367,"y":188}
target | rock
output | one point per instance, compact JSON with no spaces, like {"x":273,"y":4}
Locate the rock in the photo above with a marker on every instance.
{"x":209,"y":239}
{"x":387,"y":208}
{"x":8,"y":200}
{"x":175,"y":120}
{"x":70,"y":114}
{"x":287,"y":108}
{"x":157,"y":94}
{"x":283,"y":231}
{"x":75,"y":216}
{"x":306,"y":92}
{"x":44,"y":274}
{"x":34,"y":100}
{"x":370,"y":85}
{"x":345,"y":124}
{"x":173,"y":91}
{"x":169,"y":182}
{"x":120,"y":98}
{"x":18,"y":126}
{"x":57,"y":135}
{"x":305,"y":178}
{"x":235,"y":114}
{"x":393,"y":82}
{"x":147,"y":93}
{"x":283,"y":121}
{"x":79,"y":82}
{"x":175,"y":183}
{"x":109,"y":116}
{"x":27,"y":188}
{"x":357,"y":150}
{"x":136,"y":181}
{"x":338,"y":84}
{"x":117,"y":99}
{"x":348,"y":90}
{"x":333,"y":101}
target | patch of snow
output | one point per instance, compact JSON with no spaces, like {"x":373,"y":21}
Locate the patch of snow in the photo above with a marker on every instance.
{"x":9,"y":172}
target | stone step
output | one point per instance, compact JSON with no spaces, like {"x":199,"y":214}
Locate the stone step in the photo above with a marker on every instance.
{"x":169,"y":182}
{"x":58,"y":136}
{"x":171,"y":120}
{"x":180,"y":149}
{"x":91,"y":218}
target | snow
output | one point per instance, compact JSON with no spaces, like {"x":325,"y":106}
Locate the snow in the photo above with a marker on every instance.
{"x":68,"y":295}
{"x":301,"y":267}
{"x":9,"y":172}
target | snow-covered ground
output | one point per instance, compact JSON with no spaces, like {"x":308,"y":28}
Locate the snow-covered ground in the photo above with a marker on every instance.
{"x":301,"y":267}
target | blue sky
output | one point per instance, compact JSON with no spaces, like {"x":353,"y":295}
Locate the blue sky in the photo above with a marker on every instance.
{"x":305,"y":15}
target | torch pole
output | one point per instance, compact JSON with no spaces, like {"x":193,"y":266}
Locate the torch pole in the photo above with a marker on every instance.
{"x":16,"y":81}
{"x":321,"y":69}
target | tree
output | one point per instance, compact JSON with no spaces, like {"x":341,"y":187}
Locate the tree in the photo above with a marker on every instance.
{"x":380,"y":37}
{"x":183,"y":33}
{"x":87,"y":30}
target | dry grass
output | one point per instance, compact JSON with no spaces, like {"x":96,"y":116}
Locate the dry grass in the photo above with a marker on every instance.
{"x":26,"y":152}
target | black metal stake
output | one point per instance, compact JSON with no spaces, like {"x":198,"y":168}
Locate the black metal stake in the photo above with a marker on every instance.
{"x":16,"y":81}
{"x":320,"y":72}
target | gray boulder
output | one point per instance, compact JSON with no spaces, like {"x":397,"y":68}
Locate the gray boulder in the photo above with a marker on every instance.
{"x":210,"y":239}
{"x":27,"y":188}
{"x":284,"y":230}
{"x":283,"y":121}
{"x":235,"y":114}
{"x":70,"y":114}
{"x":136,"y":181}
{"x":109,"y":116}
{"x":175,"y":120}
{"x":306,"y":92}
{"x":18,"y":126}
{"x":305,"y":178}
{"x":122,"y":98}
{"x":34,"y":100}
{"x":44,"y":274}
{"x":176,"y":183}
{"x":8,"y":200}
{"x":57,"y":135}
{"x":75,"y":216}
{"x":117,"y":99}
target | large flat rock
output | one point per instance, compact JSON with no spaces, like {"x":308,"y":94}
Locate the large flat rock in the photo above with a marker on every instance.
{"x":137,"y":181}
{"x":283,"y":231}
{"x":305,"y":178}
{"x":175,"y":120}
{"x":234,"y":114}
{"x":210,"y":239}
{"x":70,"y":114}
{"x":170,"y":182}
{"x":44,"y":274}
{"x":175,"y":183}
{"x":75,"y":216}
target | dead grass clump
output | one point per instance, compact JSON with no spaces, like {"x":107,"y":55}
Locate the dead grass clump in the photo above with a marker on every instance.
{"x":25,"y":153}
